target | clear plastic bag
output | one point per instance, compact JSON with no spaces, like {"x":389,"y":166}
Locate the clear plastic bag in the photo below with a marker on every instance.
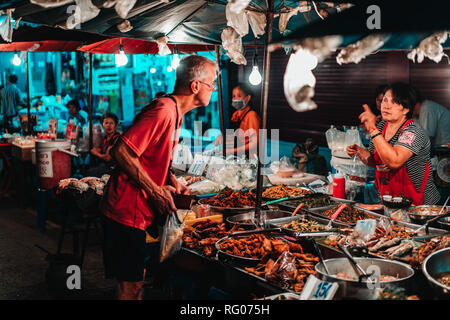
{"x":284,"y":270}
{"x":364,"y":229}
{"x":163,"y":49}
{"x":171,"y":238}
{"x":257,"y":21}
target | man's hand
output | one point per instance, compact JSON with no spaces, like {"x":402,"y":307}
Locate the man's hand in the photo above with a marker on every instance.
{"x":163,"y":201}
{"x":368,"y":118}
{"x":180,"y":188}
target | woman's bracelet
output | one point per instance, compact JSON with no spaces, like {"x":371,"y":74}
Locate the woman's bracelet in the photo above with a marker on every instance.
{"x":376,"y":135}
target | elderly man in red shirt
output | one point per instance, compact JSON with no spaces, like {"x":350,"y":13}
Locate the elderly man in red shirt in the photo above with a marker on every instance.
{"x":142,"y":187}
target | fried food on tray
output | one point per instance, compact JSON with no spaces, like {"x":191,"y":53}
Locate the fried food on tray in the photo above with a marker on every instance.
{"x":284,"y":191}
{"x":232,"y":199}
{"x":349,"y":214}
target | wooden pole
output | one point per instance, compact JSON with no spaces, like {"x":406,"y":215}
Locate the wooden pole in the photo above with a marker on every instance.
{"x":264,"y":102}
{"x":219,"y":88}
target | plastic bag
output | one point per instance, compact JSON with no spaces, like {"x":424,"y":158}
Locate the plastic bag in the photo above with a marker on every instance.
{"x":299,"y":81}
{"x":163,"y":49}
{"x":204,"y":187}
{"x":237,"y":6}
{"x":232,"y":43}
{"x":237,"y":20}
{"x":171,"y":238}
{"x":284,"y":270}
{"x":364,"y":229}
{"x":257,"y":21}
{"x":355,"y":52}
{"x":124,"y":26}
{"x":6,"y":29}
{"x":430,"y":47}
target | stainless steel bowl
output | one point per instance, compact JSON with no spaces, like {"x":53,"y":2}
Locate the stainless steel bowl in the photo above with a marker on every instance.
{"x":353,"y":289}
{"x":435,"y":264}
{"x":425,"y":212}
{"x":269,"y":214}
{"x":444,"y":223}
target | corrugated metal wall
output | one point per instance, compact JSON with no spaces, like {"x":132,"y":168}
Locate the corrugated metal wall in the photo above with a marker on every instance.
{"x":341,"y":90}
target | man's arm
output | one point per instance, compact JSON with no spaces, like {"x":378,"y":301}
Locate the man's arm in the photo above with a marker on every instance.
{"x":129,"y":163}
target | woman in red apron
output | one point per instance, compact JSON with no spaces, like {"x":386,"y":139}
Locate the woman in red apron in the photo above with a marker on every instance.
{"x":400,"y":149}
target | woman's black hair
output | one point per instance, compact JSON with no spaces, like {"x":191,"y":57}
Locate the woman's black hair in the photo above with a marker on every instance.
{"x":245,"y":88}
{"x":75,"y":103}
{"x":380,"y":89}
{"x":405,"y":95}
{"x":109,"y":115}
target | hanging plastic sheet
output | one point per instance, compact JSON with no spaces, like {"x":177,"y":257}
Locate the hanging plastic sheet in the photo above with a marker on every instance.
{"x":162,"y":45}
{"x":125,"y":26}
{"x":84,"y":11}
{"x":355,"y":52}
{"x":51,"y":3}
{"x":257,"y":21}
{"x":431,"y":48}
{"x":237,"y":6}
{"x":6,"y":29}
{"x":237,"y":20}
{"x":232,"y":43}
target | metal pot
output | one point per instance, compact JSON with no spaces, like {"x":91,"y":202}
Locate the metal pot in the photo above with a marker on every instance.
{"x":353,"y":289}
{"x":435,"y":264}
{"x":444,"y":223}
{"x":423,"y":213}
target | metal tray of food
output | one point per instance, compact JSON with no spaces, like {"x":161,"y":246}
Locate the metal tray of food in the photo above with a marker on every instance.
{"x":319,"y":213}
{"x":279,"y":222}
{"x":227,"y":210}
{"x":292,"y":205}
{"x":275,"y":198}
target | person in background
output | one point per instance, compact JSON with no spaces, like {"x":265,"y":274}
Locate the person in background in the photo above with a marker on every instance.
{"x":74,"y":113}
{"x":433,"y":118}
{"x":245,"y":120}
{"x":378,"y":97}
{"x":399,"y":150}
{"x":65,"y":98}
{"x":138,"y":196}
{"x":10,"y":100}
{"x":316,"y":163}
{"x":110,"y":123}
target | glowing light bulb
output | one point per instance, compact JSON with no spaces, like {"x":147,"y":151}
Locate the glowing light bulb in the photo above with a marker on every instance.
{"x":255,"y":77}
{"x":16,"y":60}
{"x":152,"y":70}
{"x":175,"y":61}
{"x":169,"y":69}
{"x":121,"y":58}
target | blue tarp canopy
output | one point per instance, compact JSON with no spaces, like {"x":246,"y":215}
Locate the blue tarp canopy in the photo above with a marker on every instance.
{"x":183,"y":21}
{"x":407,"y":23}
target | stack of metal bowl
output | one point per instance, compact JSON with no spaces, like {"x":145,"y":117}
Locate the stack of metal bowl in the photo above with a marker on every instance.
{"x":436,"y":265}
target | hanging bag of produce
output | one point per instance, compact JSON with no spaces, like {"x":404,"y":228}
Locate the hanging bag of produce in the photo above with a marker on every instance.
{"x":171,"y":238}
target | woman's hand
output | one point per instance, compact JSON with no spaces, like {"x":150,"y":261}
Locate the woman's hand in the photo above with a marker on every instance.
{"x":353,"y":150}
{"x":368,"y":118}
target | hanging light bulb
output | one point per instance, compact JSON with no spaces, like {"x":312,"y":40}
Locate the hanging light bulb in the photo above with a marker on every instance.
{"x":175,"y":61}
{"x":152,"y":70}
{"x":121,"y":58}
{"x":255,"y":77}
{"x":169,"y":69}
{"x":16,"y":60}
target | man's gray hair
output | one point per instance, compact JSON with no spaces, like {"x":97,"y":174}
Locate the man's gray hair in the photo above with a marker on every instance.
{"x":192,"y":68}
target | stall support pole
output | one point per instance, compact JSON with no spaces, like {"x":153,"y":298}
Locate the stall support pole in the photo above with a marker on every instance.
{"x":264,"y":98}
{"x":90,"y":103}
{"x":28,"y":94}
{"x":219,"y":88}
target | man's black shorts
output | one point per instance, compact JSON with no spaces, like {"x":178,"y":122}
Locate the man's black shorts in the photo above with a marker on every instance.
{"x":124,"y":251}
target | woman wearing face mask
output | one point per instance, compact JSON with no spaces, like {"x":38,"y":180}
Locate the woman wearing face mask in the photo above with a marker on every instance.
{"x":245,"y":140}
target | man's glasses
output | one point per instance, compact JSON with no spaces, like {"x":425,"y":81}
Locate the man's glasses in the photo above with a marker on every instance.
{"x":212,"y":86}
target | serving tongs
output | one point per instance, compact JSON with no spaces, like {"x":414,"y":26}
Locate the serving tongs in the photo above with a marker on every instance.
{"x":355,"y":264}
{"x":282,"y":231}
{"x":319,"y":253}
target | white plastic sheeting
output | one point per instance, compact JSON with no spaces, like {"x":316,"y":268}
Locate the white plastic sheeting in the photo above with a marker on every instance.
{"x":237,"y":6}
{"x":124,"y":26}
{"x":430,"y":47}
{"x":357,"y":51}
{"x":6,"y":28}
{"x":162,"y":46}
{"x":232,"y":43}
{"x":51,"y":3}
